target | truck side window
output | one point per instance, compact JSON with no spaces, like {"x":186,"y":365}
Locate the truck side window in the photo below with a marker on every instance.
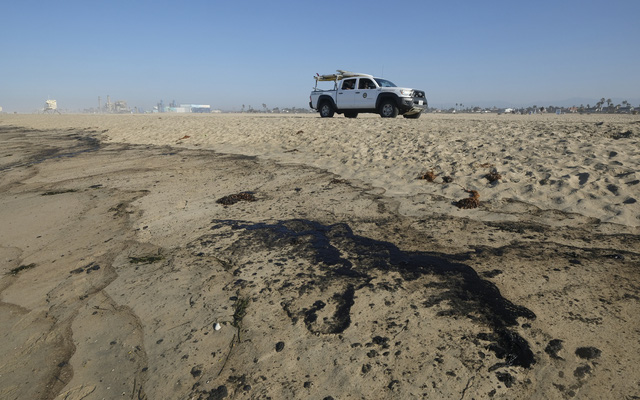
{"x":366,"y":84}
{"x":349,"y":84}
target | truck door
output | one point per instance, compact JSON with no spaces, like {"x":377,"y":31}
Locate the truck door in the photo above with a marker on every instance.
{"x":346,"y":93}
{"x":366,"y":94}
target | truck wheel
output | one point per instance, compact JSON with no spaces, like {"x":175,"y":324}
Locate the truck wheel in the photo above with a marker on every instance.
{"x":413,"y":116}
{"x":388,"y":109}
{"x":326,"y":111}
{"x":351,"y":114}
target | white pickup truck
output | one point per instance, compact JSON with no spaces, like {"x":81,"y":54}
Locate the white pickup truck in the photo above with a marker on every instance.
{"x":355,"y":93}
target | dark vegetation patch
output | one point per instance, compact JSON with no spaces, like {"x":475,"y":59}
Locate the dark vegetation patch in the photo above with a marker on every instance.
{"x":234,"y":198}
{"x":553,"y":348}
{"x":428,"y":176}
{"x":17,"y":270}
{"x":146,"y":259}
{"x":588,"y":353}
{"x":54,"y":192}
{"x":473,"y":201}
{"x":493,"y":177}
{"x":240,"y":310}
{"x":89,"y":268}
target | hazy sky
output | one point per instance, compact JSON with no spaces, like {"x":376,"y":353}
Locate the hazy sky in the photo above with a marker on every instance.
{"x":229,"y":53}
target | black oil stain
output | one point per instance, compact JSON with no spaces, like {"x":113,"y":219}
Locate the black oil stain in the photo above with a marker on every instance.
{"x":345,"y":260}
{"x":62,"y":145}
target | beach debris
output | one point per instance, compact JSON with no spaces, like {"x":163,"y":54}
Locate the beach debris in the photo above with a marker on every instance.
{"x":299,"y":132}
{"x":217,"y":326}
{"x":184,"y":137}
{"x":234,"y":198}
{"x":428,"y":176}
{"x":279,"y":346}
{"x":470,"y":202}
{"x":336,"y":181}
{"x":447,"y":179}
{"x":493,"y":176}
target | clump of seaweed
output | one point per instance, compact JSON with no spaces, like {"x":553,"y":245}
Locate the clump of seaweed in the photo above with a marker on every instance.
{"x":54,"y":192}
{"x":17,"y":270}
{"x":238,"y":315}
{"x":234,"y":198}
{"x":145,"y":259}
{"x":447,"y":179}
{"x":336,"y":181}
{"x":473,"y":201}
{"x":485,"y":165}
{"x":240,"y":311}
{"x":428,"y":176}
{"x":87,"y":268}
{"x":493,"y":176}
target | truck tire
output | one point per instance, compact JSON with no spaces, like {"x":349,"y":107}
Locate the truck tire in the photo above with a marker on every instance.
{"x":413,"y":116}
{"x":388,"y":109}
{"x":351,"y":114}
{"x":326,"y":111}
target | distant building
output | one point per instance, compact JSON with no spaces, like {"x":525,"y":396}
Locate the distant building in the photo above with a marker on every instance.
{"x":198,"y":108}
{"x":185,"y":108}
{"x":120,"y":106}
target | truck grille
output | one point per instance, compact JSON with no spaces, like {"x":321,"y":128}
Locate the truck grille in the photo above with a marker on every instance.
{"x":418,"y":93}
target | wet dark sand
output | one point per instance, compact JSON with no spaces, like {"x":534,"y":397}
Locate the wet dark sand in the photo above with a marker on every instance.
{"x":118,"y":262}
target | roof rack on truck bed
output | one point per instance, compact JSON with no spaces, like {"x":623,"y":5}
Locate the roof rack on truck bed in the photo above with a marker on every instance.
{"x":340,"y":74}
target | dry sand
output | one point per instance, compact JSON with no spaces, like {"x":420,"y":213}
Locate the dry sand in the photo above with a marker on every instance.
{"x":345,"y":278}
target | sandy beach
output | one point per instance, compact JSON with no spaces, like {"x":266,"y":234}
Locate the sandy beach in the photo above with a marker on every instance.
{"x":287,"y":256}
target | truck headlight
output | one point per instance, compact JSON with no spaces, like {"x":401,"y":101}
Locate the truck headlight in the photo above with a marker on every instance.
{"x":406,"y":92}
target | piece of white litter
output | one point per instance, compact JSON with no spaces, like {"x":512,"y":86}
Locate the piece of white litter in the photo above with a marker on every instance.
{"x":217,"y":326}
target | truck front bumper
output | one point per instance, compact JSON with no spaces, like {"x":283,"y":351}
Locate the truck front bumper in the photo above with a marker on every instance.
{"x":412,"y":105}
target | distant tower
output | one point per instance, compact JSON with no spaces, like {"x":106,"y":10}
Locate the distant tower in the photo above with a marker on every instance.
{"x":108,"y":104}
{"x":99,"y":104}
{"x":50,"y":105}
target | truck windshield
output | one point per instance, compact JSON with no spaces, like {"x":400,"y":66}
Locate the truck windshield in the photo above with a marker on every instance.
{"x":384,"y":82}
